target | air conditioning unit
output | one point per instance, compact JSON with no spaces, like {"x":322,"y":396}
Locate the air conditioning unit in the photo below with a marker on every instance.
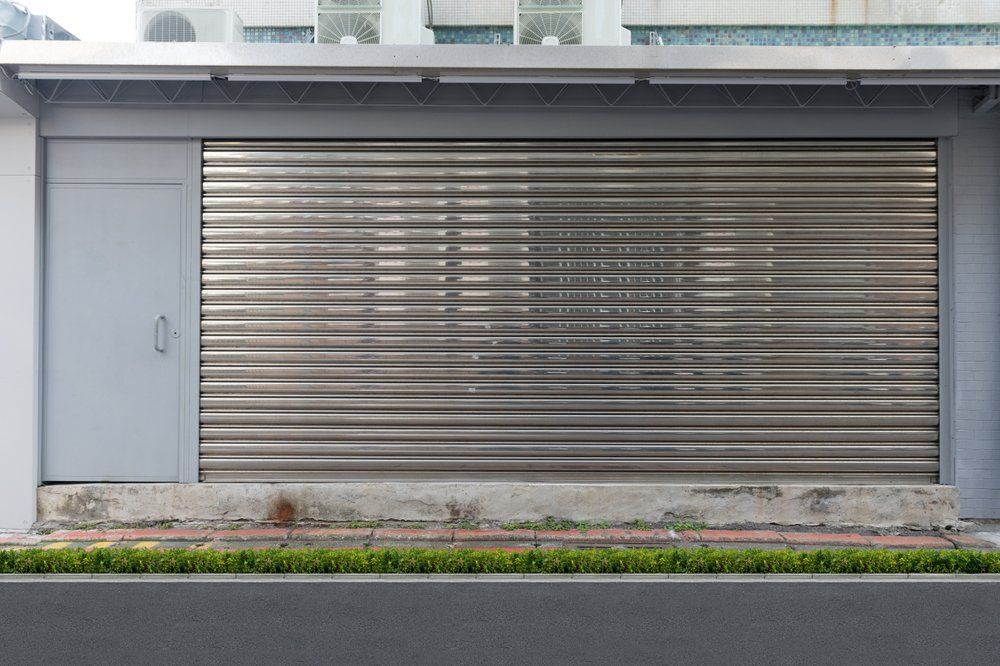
{"x":371,"y":22}
{"x":555,"y":22}
{"x":194,"y":24}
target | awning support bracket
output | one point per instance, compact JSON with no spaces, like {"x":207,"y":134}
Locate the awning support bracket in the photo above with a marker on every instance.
{"x":987,"y":102}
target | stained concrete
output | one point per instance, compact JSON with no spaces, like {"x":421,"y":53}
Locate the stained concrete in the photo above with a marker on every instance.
{"x":921,"y":507}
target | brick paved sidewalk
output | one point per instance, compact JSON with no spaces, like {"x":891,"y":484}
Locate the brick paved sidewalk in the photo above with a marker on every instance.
{"x":517,"y":539}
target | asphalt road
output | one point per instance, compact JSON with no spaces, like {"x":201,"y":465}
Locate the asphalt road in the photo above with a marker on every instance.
{"x":500,"y":623}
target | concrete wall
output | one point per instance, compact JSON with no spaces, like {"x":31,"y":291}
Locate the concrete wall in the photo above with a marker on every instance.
{"x":976,"y":223}
{"x":921,"y":507}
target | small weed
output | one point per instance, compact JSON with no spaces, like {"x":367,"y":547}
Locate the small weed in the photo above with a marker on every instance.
{"x":364,"y":524}
{"x":549,"y":523}
{"x":640,"y":524}
{"x":122,"y":526}
{"x":233,"y":526}
{"x":689,"y":526}
{"x":88,"y":526}
{"x":165,"y":525}
{"x":45,"y":530}
{"x":555,"y":525}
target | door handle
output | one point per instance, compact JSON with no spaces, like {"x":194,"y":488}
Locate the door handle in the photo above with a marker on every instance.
{"x":160,"y":323}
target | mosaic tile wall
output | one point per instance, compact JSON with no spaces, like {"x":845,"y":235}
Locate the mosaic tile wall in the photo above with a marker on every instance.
{"x":845,"y":35}
{"x":278,"y":35}
{"x":485,"y":34}
{"x":700,"y":35}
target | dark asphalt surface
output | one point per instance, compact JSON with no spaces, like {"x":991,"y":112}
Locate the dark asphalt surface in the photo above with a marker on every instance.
{"x":500,"y":623}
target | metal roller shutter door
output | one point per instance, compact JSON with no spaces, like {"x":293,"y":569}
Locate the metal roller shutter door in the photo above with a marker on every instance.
{"x":717,"y":310}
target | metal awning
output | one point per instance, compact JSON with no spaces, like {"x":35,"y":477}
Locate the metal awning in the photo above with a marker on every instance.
{"x":875,"y":65}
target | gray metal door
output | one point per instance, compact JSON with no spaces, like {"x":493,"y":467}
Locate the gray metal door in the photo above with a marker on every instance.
{"x":690,"y":310}
{"x":111,"y":359}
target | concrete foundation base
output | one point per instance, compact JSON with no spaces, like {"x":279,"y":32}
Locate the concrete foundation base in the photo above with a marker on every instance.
{"x":924,"y":507}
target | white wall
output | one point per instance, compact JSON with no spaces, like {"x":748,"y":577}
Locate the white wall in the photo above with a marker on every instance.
{"x":602,"y":24}
{"x":403,"y":23}
{"x":20,"y":188}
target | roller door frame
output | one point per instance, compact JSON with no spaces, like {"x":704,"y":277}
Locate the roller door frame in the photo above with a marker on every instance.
{"x":946,"y":313}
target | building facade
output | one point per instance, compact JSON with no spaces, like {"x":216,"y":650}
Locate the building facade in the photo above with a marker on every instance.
{"x":665,"y":22}
{"x":738,"y":284}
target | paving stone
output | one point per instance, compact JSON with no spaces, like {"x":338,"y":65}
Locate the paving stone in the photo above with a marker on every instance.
{"x":20,"y":539}
{"x":805,"y":547}
{"x":967,"y":541}
{"x":820,"y":539}
{"x":275,"y":534}
{"x":170,"y":534}
{"x":244,"y":545}
{"x":85,"y":535}
{"x":733,"y":536}
{"x":162,"y":545}
{"x":332,"y":533}
{"x":614,"y":536}
{"x":493,"y":545}
{"x":911,"y":542}
{"x":494,"y":535}
{"x":396,"y":534}
{"x":405,"y":545}
{"x":325,"y":545}
{"x":746,"y":545}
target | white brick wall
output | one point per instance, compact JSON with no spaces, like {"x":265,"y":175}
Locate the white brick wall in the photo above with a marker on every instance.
{"x":976,"y":194}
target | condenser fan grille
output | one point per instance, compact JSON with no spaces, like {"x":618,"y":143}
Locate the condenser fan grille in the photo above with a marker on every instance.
{"x":349,"y":22}
{"x":550,"y":21}
{"x":170,"y":27}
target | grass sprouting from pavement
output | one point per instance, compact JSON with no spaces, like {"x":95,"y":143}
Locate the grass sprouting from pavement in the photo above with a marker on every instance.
{"x":551,"y":524}
{"x":538,"y":561}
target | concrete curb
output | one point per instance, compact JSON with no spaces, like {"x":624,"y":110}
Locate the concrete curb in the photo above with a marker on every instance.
{"x":499,"y":578}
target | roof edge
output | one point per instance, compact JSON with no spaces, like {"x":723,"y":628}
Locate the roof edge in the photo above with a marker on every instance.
{"x":973,"y":65}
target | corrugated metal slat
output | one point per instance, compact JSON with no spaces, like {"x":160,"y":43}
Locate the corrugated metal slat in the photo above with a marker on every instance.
{"x":724,"y":310}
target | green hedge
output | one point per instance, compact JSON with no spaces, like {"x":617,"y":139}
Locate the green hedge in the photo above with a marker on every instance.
{"x":422,"y":561}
